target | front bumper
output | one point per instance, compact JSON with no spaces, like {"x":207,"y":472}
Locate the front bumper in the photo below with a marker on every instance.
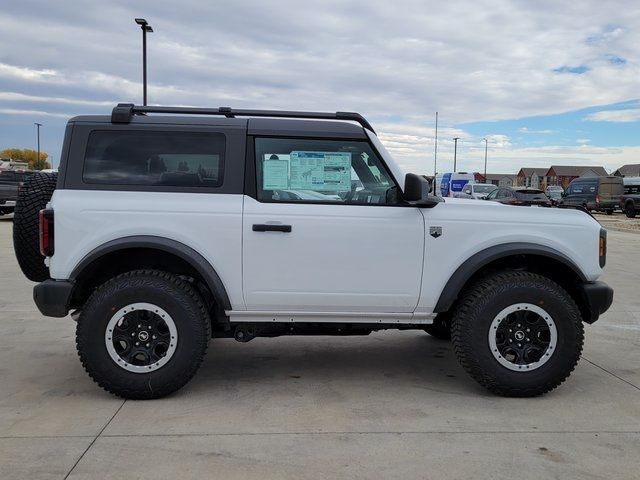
{"x":53,"y":297}
{"x":598,"y":297}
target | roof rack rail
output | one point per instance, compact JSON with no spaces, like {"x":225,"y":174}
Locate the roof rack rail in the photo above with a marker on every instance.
{"x":123,"y":112}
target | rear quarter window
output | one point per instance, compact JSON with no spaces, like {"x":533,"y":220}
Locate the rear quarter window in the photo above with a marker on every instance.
{"x":154,"y":158}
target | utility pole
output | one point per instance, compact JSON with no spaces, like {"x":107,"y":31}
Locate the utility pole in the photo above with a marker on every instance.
{"x":455,"y":152}
{"x":38,"y":125}
{"x":435,"y":152}
{"x":486,"y":142}
{"x":145,"y":27}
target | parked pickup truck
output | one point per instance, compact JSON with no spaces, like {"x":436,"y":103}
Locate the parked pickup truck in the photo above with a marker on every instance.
{"x":630,"y":204}
{"x":10,"y":181}
{"x":630,"y":200}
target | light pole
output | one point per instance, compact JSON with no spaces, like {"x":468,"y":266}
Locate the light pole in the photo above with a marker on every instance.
{"x":435,"y":152}
{"x":455,"y":152}
{"x":486,"y":143}
{"x":145,"y":27}
{"x":37,"y":163}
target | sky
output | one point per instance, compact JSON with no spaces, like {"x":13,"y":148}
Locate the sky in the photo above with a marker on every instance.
{"x":546,"y":82}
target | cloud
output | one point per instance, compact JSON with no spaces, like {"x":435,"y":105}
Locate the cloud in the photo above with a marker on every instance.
{"x":396,"y":63}
{"x":33,"y":113}
{"x":623,"y":115}
{"x":20,"y":97}
{"x":25,"y":73}
{"x":539,"y":132}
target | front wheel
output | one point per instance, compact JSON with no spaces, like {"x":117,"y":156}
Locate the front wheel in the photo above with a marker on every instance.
{"x":143,"y":334}
{"x":630,"y":211}
{"x":518,"y":334}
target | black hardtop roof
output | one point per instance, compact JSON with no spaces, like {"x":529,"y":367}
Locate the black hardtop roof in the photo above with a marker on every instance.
{"x":258,"y":122}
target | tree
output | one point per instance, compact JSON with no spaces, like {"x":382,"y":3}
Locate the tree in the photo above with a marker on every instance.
{"x":27,"y":155}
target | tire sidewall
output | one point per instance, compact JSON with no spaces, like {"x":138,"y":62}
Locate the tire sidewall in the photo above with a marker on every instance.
{"x":185,"y":312}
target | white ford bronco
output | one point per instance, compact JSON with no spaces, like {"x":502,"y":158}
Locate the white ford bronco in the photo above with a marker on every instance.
{"x":161,"y":232}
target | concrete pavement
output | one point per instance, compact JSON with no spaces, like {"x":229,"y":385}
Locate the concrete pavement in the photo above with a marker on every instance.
{"x":390,"y":405}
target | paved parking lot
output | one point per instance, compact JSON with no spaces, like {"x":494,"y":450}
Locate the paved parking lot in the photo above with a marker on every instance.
{"x":390,"y":405}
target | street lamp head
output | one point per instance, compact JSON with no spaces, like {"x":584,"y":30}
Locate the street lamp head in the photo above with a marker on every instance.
{"x":147,"y":28}
{"x":141,"y":21}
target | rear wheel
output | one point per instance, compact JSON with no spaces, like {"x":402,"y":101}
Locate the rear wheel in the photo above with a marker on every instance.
{"x":518,"y":334}
{"x":610,"y":211}
{"x":143,"y":334}
{"x":630,"y":210}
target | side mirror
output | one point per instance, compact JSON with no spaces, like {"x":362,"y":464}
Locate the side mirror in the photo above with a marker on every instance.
{"x":416,"y":191}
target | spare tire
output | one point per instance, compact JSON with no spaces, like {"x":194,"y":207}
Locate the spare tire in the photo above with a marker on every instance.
{"x":32,"y":197}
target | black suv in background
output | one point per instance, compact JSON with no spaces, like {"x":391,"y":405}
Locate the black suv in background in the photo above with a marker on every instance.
{"x":10,"y":182}
{"x":594,"y":193}
{"x":519,"y":196}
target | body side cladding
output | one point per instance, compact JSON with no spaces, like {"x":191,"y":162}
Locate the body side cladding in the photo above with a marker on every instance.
{"x":473,"y":264}
{"x":186,"y":253}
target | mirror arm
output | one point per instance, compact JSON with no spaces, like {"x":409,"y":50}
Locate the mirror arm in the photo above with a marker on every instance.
{"x":429,"y":202}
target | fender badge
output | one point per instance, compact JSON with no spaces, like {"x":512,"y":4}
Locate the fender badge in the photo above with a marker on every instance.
{"x":435,"y":232}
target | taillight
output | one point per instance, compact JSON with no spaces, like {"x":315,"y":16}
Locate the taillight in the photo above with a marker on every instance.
{"x":45,"y":220}
{"x":602,"y":247}
{"x":597,"y":198}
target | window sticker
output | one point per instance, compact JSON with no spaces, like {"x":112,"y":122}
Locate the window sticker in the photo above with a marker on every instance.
{"x":320,"y":171}
{"x":275,"y":173}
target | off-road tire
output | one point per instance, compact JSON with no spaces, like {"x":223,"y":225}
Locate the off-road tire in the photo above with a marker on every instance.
{"x":630,"y":211}
{"x":609,"y":211}
{"x":441,"y":327}
{"x":475,"y":312}
{"x":173,"y":294}
{"x":33,"y":197}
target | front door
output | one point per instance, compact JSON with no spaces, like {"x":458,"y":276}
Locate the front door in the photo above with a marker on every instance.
{"x":326,"y":232}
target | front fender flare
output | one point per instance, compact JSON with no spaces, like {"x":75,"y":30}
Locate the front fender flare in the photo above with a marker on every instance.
{"x":473,"y":264}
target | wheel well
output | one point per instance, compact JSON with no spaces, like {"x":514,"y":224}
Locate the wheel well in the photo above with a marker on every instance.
{"x":554,"y":269}
{"x":124,"y":260}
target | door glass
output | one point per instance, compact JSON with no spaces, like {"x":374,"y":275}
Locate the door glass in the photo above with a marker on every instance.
{"x":321,"y":171}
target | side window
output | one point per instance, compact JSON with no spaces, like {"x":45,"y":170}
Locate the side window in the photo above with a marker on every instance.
{"x":154,"y":158}
{"x":493,"y":194}
{"x":502,"y":193}
{"x":321,"y":171}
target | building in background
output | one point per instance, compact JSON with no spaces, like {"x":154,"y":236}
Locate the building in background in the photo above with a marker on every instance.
{"x":500,"y":179}
{"x":562,"y":175}
{"x":630,"y":170}
{"x":531,"y":177}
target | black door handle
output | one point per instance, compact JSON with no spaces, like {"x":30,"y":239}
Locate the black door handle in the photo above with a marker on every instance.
{"x":270,"y":227}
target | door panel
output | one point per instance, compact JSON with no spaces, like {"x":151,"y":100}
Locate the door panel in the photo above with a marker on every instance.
{"x":335,"y":258}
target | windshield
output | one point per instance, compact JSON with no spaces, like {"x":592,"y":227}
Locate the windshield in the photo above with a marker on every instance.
{"x":484,"y":188}
{"x":555,"y":194}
